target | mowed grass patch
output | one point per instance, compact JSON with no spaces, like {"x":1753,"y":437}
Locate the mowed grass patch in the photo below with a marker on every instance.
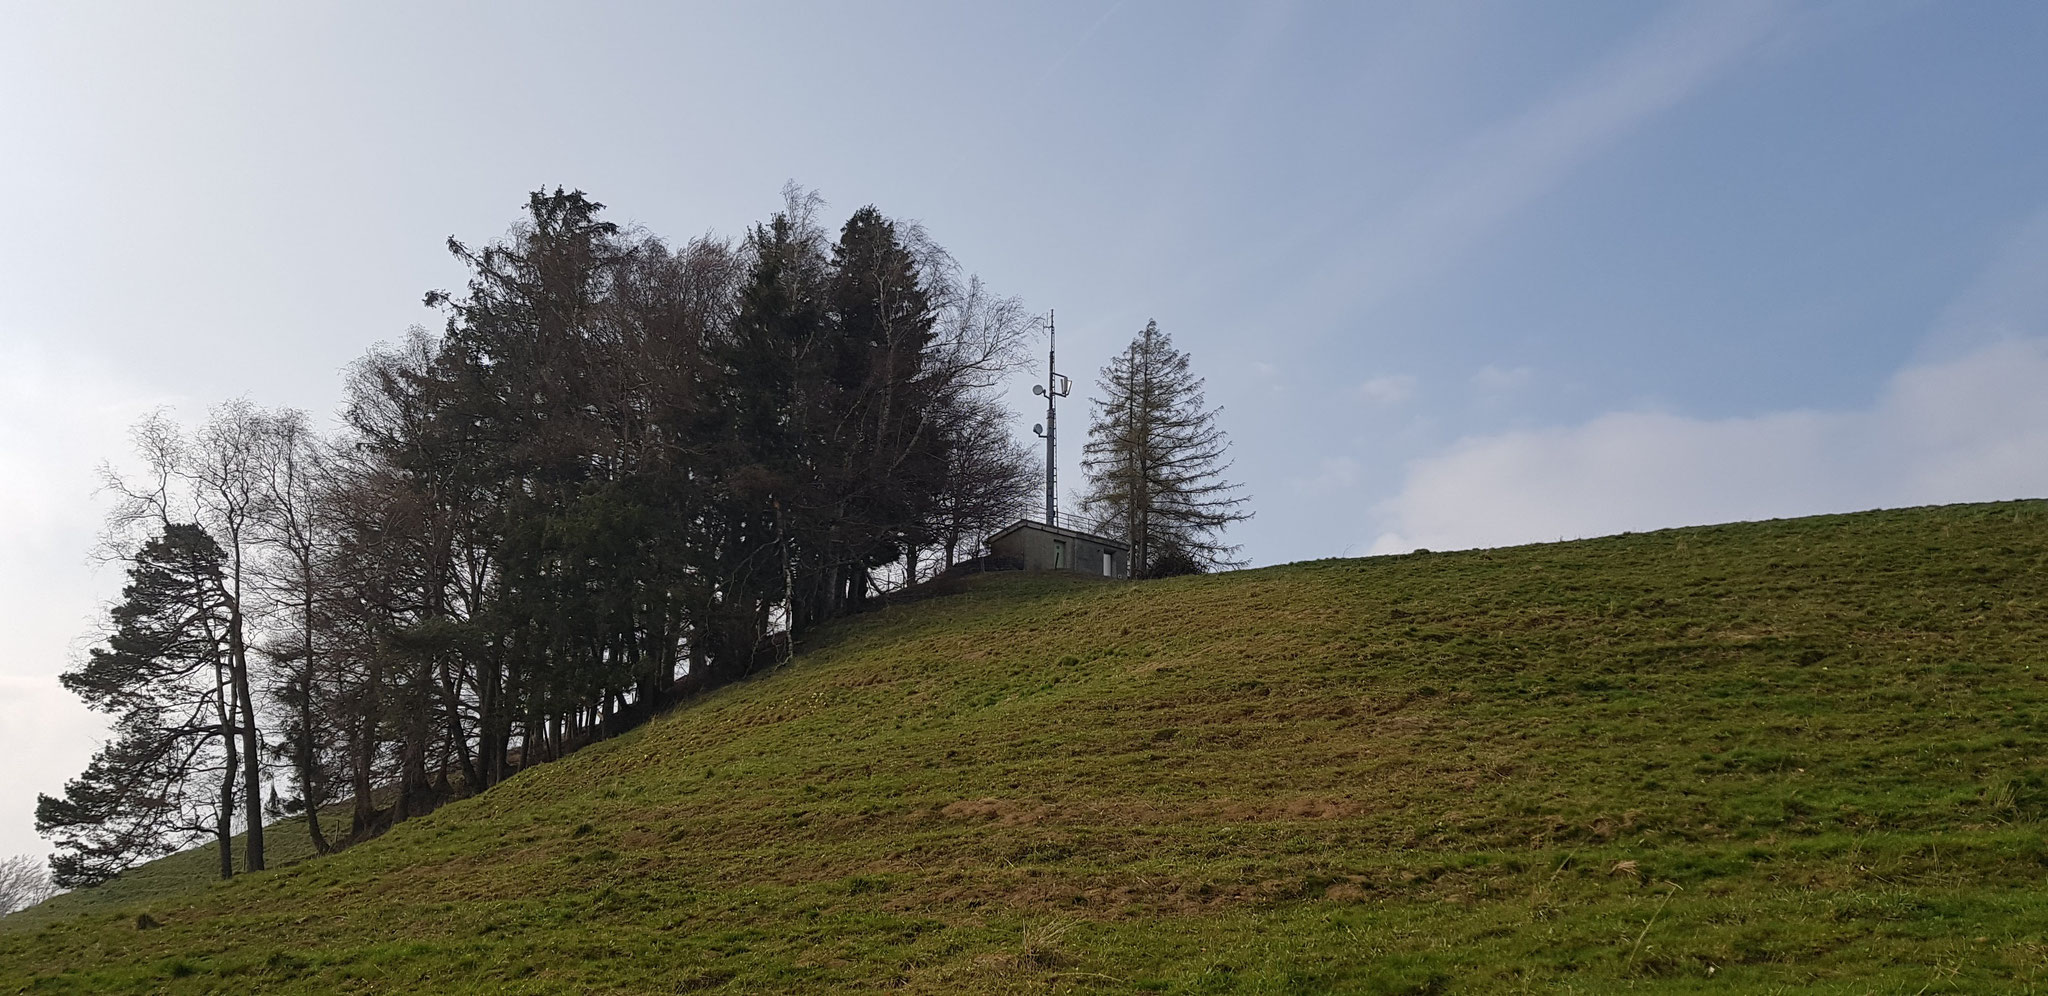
{"x":1803,"y":754}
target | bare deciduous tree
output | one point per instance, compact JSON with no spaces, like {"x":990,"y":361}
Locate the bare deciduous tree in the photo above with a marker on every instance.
{"x":287,"y":577}
{"x":991,"y":479}
{"x":24,"y":882}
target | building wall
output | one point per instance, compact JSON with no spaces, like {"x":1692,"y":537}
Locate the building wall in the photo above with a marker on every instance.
{"x":1036,"y":548}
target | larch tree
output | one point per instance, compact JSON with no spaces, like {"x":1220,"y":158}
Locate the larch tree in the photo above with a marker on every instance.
{"x":1155,"y":460}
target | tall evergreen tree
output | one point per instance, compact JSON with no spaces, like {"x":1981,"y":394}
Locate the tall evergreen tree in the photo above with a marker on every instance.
{"x":1155,"y":460}
{"x":770,"y":500}
{"x":166,"y":673}
{"x":887,"y":457}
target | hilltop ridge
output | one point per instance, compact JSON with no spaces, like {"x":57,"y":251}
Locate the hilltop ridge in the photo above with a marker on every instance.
{"x":1800,"y":753}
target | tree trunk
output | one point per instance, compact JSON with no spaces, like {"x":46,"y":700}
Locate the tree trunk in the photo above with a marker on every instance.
{"x":363,"y":749}
{"x":458,"y":740}
{"x":224,"y":825}
{"x":493,"y":725}
{"x":309,"y":775}
{"x":252,"y":774}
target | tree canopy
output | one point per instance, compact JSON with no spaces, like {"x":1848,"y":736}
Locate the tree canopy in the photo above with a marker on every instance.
{"x":1155,"y":459}
{"x":620,"y":471}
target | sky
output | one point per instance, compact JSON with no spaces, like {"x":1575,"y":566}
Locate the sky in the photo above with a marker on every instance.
{"x":1458,"y":273}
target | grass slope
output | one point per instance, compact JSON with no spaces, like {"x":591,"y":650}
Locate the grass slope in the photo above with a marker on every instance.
{"x":174,"y":877}
{"x":1797,"y":755}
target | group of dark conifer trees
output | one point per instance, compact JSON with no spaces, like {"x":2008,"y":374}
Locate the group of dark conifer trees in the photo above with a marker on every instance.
{"x":623,"y":471}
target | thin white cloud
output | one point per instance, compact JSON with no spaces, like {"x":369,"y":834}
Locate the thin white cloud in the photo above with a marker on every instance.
{"x":1962,"y":424}
{"x":1530,"y":155}
{"x":1499,"y":380}
{"x":1970,"y":429}
{"x":1388,"y":390}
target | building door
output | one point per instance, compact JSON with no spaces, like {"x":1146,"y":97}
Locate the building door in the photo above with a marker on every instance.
{"x":1108,"y":564}
{"x":1059,"y":555}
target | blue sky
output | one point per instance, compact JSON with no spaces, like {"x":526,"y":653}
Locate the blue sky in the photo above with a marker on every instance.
{"x":1460,"y":273}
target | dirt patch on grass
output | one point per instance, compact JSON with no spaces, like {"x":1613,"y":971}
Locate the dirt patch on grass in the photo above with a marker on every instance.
{"x":1277,"y":810}
{"x":1096,"y":896}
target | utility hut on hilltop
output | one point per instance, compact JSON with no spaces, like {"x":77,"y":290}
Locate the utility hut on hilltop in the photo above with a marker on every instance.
{"x":1040,"y":547}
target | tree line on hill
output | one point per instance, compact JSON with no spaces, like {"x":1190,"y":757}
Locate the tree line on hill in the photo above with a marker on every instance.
{"x":624,"y":470}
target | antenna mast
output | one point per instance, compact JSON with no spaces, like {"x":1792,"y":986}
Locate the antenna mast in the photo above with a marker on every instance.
{"x":1055,"y":386}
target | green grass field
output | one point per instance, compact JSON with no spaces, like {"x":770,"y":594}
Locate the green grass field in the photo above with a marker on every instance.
{"x":1793,"y":756}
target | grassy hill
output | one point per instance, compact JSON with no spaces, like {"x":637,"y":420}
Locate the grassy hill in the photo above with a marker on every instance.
{"x":1796,"y":755}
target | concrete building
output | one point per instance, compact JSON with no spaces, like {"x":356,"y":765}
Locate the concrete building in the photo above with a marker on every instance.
{"x":1050,"y":548}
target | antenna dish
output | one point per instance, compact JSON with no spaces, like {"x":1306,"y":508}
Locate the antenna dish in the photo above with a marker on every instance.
{"x":1038,"y":389}
{"x":1038,"y":429}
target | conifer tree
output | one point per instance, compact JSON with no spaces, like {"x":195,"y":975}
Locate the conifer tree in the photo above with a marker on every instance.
{"x":165,"y":673}
{"x":1155,"y":460}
